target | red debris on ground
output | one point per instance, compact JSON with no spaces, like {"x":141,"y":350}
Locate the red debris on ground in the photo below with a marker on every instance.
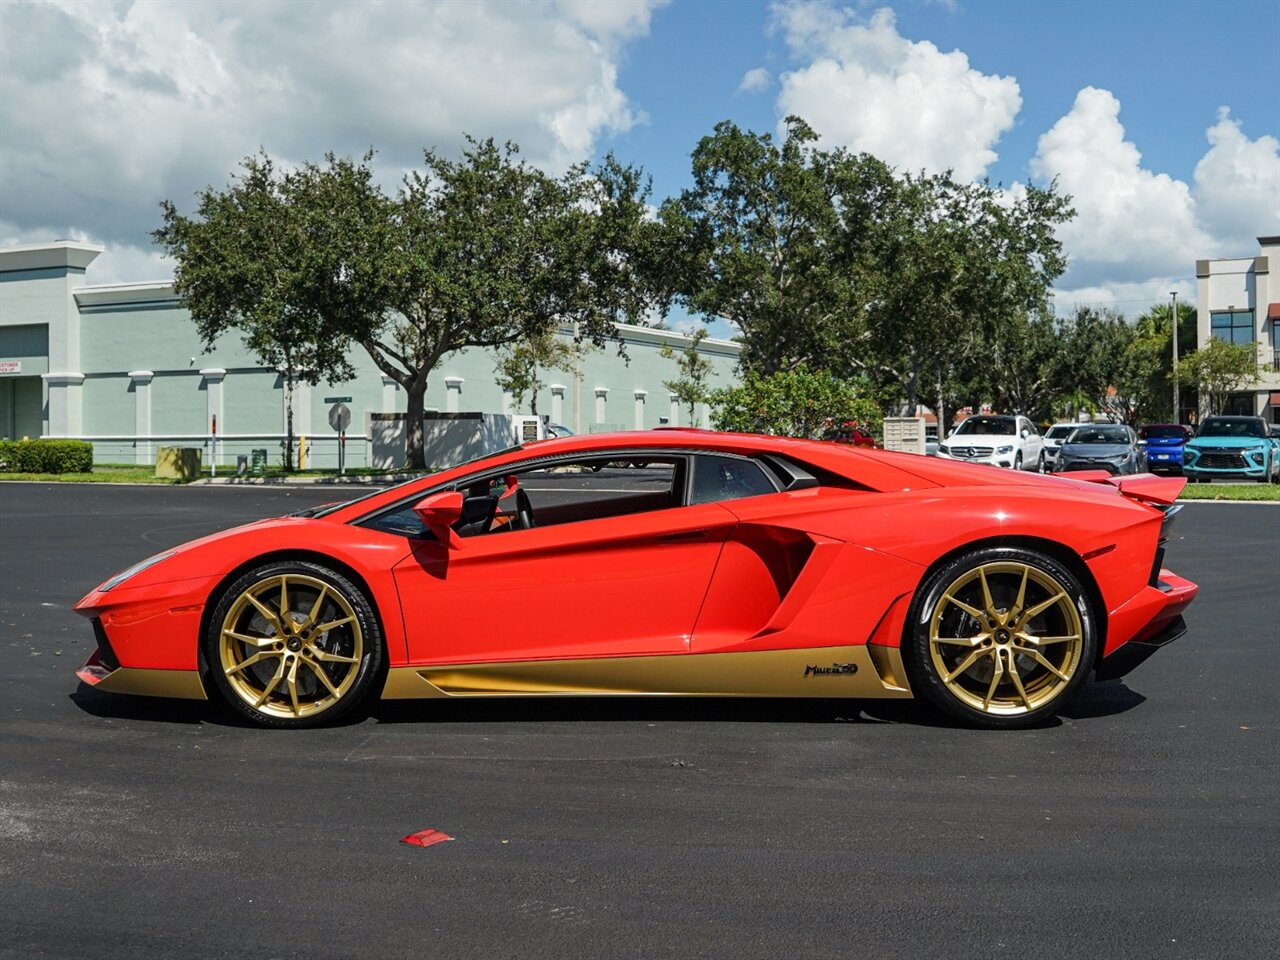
{"x":425,"y":838}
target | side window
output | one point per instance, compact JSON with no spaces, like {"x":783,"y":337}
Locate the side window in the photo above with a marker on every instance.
{"x":566,"y":491}
{"x":717,"y":478}
{"x":594,"y":488}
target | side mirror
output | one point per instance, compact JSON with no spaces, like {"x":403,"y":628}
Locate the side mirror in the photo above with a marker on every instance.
{"x":440,"y":512}
{"x":1024,"y":434}
{"x":1142,"y":443}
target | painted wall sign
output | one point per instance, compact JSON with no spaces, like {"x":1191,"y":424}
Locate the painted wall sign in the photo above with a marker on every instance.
{"x":10,"y":366}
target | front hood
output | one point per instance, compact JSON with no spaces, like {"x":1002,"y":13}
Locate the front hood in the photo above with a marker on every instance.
{"x":1094,"y":451}
{"x":1234,"y":443}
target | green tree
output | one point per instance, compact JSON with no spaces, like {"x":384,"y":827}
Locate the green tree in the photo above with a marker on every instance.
{"x":690,"y":387}
{"x":243,"y":262}
{"x":791,"y":403}
{"x":773,"y":237}
{"x":959,"y":269}
{"x":520,"y":365}
{"x":1219,"y":369}
{"x":487,"y":251}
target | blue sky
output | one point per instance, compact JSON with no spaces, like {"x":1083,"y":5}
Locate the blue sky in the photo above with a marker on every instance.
{"x":1161,"y":119}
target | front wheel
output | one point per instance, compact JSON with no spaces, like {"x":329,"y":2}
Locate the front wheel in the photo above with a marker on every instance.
{"x":293,"y":644}
{"x":1001,"y":638}
{"x":1040,"y":463}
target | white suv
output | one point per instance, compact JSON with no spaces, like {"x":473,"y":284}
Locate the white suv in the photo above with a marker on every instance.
{"x":1001,"y":441}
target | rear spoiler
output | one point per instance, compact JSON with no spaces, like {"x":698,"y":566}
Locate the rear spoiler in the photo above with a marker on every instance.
{"x":1146,"y":487}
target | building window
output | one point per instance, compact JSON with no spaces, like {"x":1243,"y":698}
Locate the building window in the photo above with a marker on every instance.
{"x":1233,"y":326}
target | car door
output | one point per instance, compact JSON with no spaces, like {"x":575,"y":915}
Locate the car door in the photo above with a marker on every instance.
{"x":625,"y":584}
{"x":1032,"y":443}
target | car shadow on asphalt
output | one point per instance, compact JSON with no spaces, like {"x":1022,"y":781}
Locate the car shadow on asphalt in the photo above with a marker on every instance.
{"x":1097,"y":700}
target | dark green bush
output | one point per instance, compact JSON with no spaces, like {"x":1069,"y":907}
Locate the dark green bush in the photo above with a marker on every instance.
{"x":46,"y":456}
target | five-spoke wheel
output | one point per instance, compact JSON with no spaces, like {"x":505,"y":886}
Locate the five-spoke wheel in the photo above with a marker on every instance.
{"x":1001,"y":637}
{"x":293,"y":644}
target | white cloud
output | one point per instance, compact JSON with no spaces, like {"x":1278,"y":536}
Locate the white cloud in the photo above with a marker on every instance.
{"x":755,"y":80}
{"x":1238,"y":184}
{"x":109,"y":108}
{"x":868,"y":88}
{"x":1131,"y":224}
{"x":1130,"y":299}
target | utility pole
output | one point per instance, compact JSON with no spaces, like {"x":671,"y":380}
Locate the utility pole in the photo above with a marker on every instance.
{"x":1174,"y":316}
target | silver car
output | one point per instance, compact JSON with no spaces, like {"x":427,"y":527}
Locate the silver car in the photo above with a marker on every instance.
{"x":1112,"y":447}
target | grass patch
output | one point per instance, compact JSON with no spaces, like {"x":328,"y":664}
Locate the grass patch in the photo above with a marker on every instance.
{"x":1231,"y":491}
{"x":146,"y":473}
{"x":101,"y":473}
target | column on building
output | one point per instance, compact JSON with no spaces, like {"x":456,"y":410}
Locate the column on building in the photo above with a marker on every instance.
{"x":640,"y":396}
{"x":453,"y":394}
{"x":65,"y":398}
{"x":508,"y":402}
{"x":142,"y":451}
{"x":389,"y":389}
{"x":602,"y":396}
{"x":557,"y":402}
{"x":213,"y":379}
{"x":674,"y":417}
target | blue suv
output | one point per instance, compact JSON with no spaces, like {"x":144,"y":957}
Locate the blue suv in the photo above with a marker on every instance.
{"x":1164,"y":443}
{"x":1233,"y":448}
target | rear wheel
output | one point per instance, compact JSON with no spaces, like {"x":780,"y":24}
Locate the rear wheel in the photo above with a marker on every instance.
{"x":1001,"y":637}
{"x":293,"y":644}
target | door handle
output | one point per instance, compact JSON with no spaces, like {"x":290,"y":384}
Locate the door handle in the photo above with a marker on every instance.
{"x":682,"y":536}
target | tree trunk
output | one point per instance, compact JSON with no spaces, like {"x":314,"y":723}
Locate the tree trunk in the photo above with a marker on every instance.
{"x":941,"y":410}
{"x":416,"y":393}
{"x":288,"y":421}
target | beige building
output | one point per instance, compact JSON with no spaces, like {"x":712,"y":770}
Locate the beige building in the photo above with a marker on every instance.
{"x":1239,"y":301}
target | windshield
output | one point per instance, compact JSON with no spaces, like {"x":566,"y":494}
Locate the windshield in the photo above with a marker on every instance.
{"x":988,"y":426}
{"x":1059,"y":430}
{"x":1099,"y":435}
{"x":1162,"y":432}
{"x":1231,"y":427}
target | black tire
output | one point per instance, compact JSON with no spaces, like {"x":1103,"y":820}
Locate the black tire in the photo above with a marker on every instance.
{"x":1017,"y":460}
{"x":1000,"y":670}
{"x":280,"y":671}
{"x":1040,"y":463}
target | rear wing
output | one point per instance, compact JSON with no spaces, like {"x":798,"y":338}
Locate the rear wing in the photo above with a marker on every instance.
{"x":1145,"y":487}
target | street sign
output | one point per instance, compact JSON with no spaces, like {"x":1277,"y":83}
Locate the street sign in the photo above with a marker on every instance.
{"x":337,"y":399}
{"x":340,"y":417}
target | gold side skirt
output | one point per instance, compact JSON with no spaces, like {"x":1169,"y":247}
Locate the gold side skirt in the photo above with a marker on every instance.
{"x":812,"y":672}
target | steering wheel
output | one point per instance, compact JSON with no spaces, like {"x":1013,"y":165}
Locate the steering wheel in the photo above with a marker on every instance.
{"x":524,"y":511}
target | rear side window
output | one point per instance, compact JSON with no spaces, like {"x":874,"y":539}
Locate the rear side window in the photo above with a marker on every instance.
{"x":717,"y":478}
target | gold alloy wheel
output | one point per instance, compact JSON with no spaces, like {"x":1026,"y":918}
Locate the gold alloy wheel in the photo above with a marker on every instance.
{"x":1006,"y":638}
{"x":290,"y":646}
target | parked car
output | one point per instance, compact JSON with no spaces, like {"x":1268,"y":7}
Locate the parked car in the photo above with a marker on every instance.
{"x":1233,"y":448}
{"x":1001,"y":441}
{"x":557,"y":430}
{"x":739,"y":566}
{"x":1053,"y":438}
{"x":1164,"y":443}
{"x":1112,"y":447}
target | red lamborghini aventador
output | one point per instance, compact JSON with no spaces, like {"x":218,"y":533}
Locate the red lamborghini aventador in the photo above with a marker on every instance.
{"x":712,"y":565}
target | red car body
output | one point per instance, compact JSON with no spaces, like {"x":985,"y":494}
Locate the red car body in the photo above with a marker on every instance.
{"x":805,"y":589}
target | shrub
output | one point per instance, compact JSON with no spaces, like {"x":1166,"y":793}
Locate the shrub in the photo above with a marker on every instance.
{"x":46,"y":456}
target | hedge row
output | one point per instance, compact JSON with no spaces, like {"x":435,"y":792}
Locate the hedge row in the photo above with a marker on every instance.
{"x":46,"y":456}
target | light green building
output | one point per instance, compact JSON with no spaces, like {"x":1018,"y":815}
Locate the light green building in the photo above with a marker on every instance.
{"x":121,"y":366}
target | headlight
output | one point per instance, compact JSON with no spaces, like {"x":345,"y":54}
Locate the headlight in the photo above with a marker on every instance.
{"x":124,"y":575}
{"x":1008,"y":448}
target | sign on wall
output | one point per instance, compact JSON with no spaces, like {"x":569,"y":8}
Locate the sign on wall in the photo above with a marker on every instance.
{"x":10,"y":366}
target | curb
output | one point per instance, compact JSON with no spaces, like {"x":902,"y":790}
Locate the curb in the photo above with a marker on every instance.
{"x":378,"y":479}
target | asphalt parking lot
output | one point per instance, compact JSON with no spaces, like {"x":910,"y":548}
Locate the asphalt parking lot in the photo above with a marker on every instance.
{"x":1145,"y":824}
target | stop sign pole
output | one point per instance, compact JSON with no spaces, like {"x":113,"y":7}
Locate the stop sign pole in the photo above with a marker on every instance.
{"x":340,"y":419}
